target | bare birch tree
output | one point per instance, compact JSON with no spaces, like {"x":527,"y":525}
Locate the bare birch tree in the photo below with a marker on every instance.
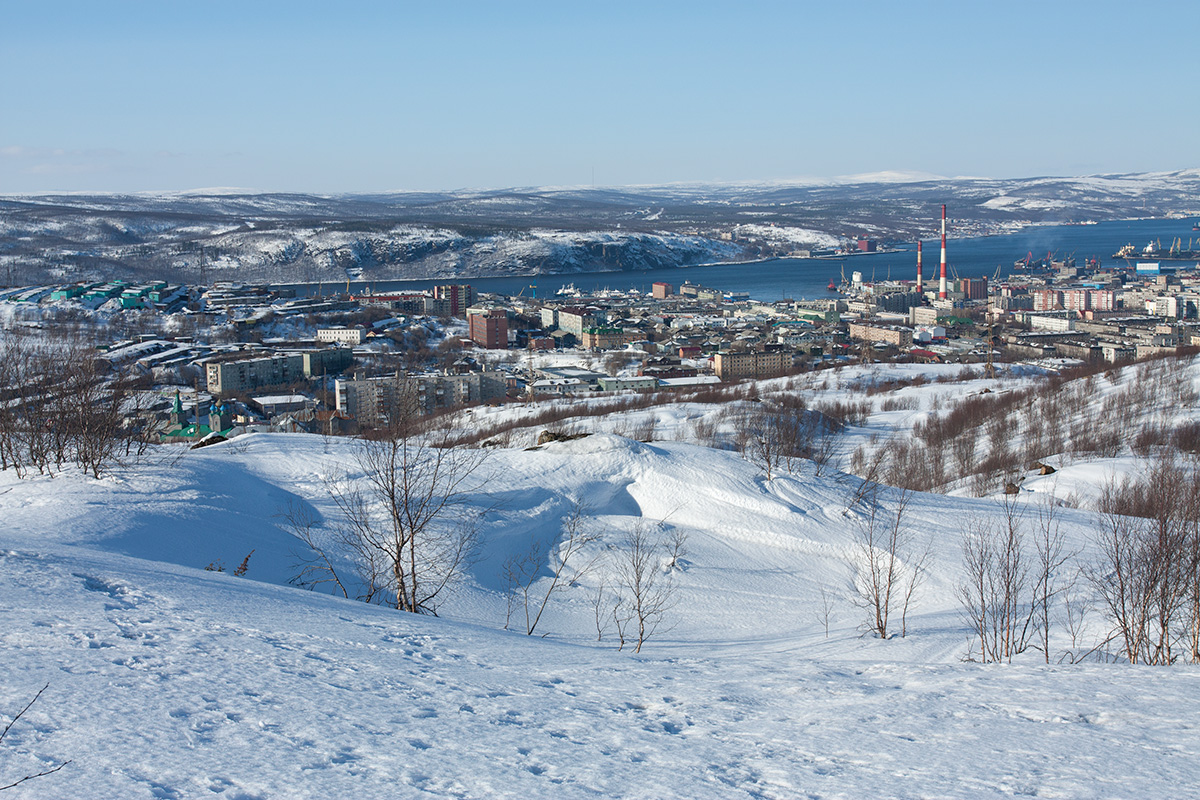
{"x":414,"y":519}
{"x":409,"y":525}
{"x":1051,"y":582}
{"x":889,"y":565}
{"x":996,"y":598}
{"x":764,"y":446}
{"x":566,"y":562}
{"x":644,"y":584}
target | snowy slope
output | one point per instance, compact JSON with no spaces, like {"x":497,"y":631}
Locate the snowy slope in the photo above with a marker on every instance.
{"x":167,"y":681}
{"x":767,"y":550}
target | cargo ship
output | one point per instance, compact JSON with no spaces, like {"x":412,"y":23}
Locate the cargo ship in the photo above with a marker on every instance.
{"x":1155,"y":252}
{"x":1046,"y":263}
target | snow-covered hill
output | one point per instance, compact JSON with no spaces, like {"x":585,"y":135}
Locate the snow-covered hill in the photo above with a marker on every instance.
{"x":168,"y":681}
{"x":301,"y":238}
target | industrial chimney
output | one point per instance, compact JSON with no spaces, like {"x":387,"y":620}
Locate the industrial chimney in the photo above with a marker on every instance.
{"x":942,"y":285}
{"x":920,"y":276}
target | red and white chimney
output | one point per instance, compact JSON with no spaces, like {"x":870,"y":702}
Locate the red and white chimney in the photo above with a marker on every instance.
{"x":920,"y":272}
{"x":942,"y":285}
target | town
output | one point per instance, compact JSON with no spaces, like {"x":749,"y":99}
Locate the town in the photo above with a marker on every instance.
{"x":220,"y":360}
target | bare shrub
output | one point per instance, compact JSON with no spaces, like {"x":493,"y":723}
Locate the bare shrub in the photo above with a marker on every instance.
{"x":644,"y":431}
{"x":1149,"y":438}
{"x":315,"y":565}
{"x":845,"y":412}
{"x":704,"y":431}
{"x":1186,"y":438}
{"x":1146,"y":574}
{"x":3,"y":733}
{"x":900,"y":404}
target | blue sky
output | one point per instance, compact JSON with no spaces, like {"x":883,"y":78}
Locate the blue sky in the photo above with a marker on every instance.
{"x":331,"y":97}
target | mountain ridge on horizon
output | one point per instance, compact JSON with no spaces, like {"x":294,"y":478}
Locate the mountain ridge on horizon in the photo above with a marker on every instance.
{"x":296,"y":237}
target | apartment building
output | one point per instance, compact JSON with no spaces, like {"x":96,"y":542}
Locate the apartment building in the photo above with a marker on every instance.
{"x":752,"y":364}
{"x":893,"y":335}
{"x":488,"y":328}
{"x":241,"y":374}
{"x":378,"y":401}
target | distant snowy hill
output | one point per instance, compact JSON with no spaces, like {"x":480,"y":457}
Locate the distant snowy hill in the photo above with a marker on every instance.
{"x":223,"y":234}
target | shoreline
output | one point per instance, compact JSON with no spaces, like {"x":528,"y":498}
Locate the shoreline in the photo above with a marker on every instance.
{"x":633,"y":276}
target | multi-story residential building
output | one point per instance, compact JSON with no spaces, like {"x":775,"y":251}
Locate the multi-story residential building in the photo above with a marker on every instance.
{"x":639,"y":384}
{"x":242,"y":374}
{"x":408,"y":302}
{"x":1076,"y":300}
{"x":1046,"y":299}
{"x":892,"y":334}
{"x":702,"y":293}
{"x":975,"y":288}
{"x":897,"y":301}
{"x":924,"y":315}
{"x":1047,"y":322}
{"x":573,"y":319}
{"x":1103,"y":300}
{"x":326,"y":361}
{"x":488,"y":328}
{"x":751,"y":364}
{"x":605,"y":338}
{"x":380,"y":401}
{"x":239,"y":373}
{"x":456,"y":297}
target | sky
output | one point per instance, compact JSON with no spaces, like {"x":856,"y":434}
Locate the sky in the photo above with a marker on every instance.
{"x":393,"y":96}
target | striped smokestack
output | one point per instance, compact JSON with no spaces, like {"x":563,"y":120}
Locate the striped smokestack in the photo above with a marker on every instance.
{"x":920,"y":272}
{"x":942,"y":285}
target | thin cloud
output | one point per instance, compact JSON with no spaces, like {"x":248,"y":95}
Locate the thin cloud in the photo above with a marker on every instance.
{"x":21,"y":151}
